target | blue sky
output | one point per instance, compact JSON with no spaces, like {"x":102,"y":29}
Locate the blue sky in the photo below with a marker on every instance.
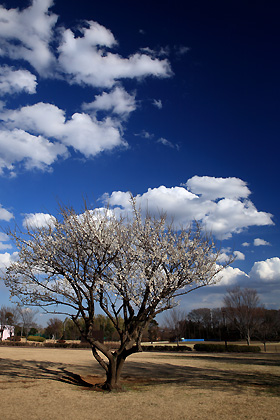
{"x":177,"y":102}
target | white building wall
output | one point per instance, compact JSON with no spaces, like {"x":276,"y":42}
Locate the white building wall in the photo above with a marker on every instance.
{"x":8,"y":331}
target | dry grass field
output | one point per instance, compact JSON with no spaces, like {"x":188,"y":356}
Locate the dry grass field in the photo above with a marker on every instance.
{"x":44,"y":383}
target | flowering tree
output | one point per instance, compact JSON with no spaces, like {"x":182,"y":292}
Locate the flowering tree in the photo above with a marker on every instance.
{"x":131,"y":268}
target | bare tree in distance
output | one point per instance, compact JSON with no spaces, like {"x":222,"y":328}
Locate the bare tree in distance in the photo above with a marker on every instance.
{"x":268,"y":325}
{"x":174,"y":321}
{"x":203,"y":317}
{"x":131,"y":267}
{"x":26,"y":319}
{"x":241,"y":307}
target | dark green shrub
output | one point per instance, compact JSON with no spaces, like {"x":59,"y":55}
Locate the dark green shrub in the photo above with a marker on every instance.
{"x":209,"y":347}
{"x":62,"y":344}
{"x":244,"y":348}
{"x":36,"y":338}
{"x":166,"y":348}
{"x":220,"y":348}
{"x":57,"y":345}
{"x":16,"y":343}
{"x":14,"y":338}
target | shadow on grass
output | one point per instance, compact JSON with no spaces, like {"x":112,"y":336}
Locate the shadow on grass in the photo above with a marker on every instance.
{"x":267,"y":360}
{"x":143,"y":374}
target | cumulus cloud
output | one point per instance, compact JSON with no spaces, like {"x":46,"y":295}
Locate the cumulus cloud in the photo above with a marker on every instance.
{"x":26,"y":34}
{"x":4,"y":245}
{"x":6,"y":259}
{"x":239,"y":255}
{"x":262,"y":272}
{"x":38,"y":220}
{"x":6,"y":216}
{"x":213,"y":188}
{"x":222,"y":217}
{"x":85,"y":59}
{"x":259,"y":242}
{"x":266,"y":271}
{"x":32,"y":151}
{"x":3,"y":241}
{"x":118,"y":101}
{"x":233,"y":216}
{"x":84,"y":56}
{"x":225,"y":252}
{"x":231,"y":276}
{"x":29,"y":132}
{"x":36,"y":136}
{"x":15,"y":81}
{"x":246,"y":244}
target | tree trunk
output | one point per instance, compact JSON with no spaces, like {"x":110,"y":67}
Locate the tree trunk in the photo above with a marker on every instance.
{"x":114,"y":373}
{"x":248,"y":338}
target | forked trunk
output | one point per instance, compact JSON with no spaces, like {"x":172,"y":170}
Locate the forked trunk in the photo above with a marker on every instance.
{"x":115,"y":366}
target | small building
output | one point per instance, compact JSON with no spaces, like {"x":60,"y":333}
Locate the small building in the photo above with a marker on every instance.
{"x":6,"y":331}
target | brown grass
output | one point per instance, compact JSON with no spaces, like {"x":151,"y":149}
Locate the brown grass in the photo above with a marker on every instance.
{"x":38,"y":383}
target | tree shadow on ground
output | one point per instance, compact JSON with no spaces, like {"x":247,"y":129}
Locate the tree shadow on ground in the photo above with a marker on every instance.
{"x":141,"y":373}
{"x":268,"y":360}
{"x":22,"y":370}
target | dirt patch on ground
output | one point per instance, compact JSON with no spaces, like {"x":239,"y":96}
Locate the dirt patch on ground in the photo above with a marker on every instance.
{"x":60,"y":383}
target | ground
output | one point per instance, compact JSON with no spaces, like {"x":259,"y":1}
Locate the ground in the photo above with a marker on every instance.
{"x":44,"y":383}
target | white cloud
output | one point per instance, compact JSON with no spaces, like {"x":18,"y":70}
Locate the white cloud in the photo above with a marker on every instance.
{"x":118,"y":101}
{"x":6,"y":216}
{"x":86,"y":61}
{"x":239,"y":255}
{"x":85,"y":56}
{"x":179,"y":204}
{"x":5,"y":246}
{"x":259,"y":242}
{"x":15,"y":81}
{"x":168,"y":143}
{"x":145,"y":135}
{"x":157,"y":103}
{"x":225,"y":252}
{"x":158,"y":52}
{"x":212,"y":188}
{"x":233,"y":216}
{"x":6,"y":259}
{"x":181,"y":50}
{"x":266,"y":271}
{"x":38,"y":220}
{"x":36,"y":136}
{"x":27,"y":125}
{"x":26,"y":34}
{"x":33,"y":151}
{"x":230,"y":276}
{"x":3,"y":239}
{"x":221,"y":217}
{"x":90,"y":136}
{"x":246,"y":244}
